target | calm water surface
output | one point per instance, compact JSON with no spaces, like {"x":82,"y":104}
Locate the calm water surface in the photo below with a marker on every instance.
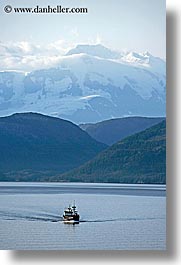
{"x":113,"y":216}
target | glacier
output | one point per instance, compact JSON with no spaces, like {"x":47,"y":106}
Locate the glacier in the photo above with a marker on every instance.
{"x":90,"y":83}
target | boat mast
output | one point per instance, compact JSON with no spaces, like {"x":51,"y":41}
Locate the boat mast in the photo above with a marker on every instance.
{"x":74,"y":207}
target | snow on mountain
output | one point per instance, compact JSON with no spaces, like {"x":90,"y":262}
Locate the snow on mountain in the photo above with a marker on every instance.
{"x":145,"y":59}
{"x":95,"y":50}
{"x":90,"y":84}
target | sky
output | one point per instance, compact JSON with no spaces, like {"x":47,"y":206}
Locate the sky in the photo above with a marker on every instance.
{"x":132,"y":25}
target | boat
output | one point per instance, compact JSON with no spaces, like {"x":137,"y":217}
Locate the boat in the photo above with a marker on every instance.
{"x":71,"y":215}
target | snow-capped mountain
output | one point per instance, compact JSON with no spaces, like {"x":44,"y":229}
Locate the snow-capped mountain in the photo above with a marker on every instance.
{"x":91,"y":83}
{"x":95,"y":50}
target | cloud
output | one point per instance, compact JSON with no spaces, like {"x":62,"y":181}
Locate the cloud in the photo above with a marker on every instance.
{"x":26,"y":56}
{"x":59,"y":46}
{"x":98,"y":39}
{"x":18,"y":48}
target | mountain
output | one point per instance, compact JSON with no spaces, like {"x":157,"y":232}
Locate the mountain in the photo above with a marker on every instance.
{"x":140,"y":158}
{"x":95,"y":50}
{"x":114,"y":130}
{"x":90,"y":83}
{"x":31,"y":142}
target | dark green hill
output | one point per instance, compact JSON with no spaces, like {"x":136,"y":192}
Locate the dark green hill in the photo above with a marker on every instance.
{"x":114,"y":130}
{"x":31,"y":142}
{"x":140,"y":158}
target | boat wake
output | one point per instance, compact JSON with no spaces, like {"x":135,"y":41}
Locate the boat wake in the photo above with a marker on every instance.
{"x":35,"y":216}
{"x":51,"y":217}
{"x":117,"y":219}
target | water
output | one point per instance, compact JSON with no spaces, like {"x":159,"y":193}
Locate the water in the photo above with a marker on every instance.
{"x":112,"y":216}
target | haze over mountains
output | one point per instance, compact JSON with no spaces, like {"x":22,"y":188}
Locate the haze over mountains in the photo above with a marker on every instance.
{"x":35,"y":147}
{"x":90,"y":83}
{"x":114,"y":130}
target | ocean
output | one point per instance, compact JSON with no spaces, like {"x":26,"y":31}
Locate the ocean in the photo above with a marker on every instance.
{"x":112,"y":216}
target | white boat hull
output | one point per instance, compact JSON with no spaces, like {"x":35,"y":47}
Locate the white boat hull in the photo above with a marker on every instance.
{"x":70,"y":222}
